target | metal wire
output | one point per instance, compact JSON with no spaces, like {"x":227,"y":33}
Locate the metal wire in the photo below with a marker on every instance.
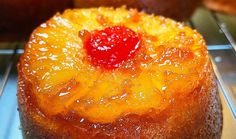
{"x":225,"y":90}
{"x":8,"y":70}
{"x":223,"y":28}
{"x":10,"y":51}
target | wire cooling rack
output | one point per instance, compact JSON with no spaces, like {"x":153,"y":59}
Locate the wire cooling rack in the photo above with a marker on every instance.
{"x":223,"y":56}
{"x":221,"y":46}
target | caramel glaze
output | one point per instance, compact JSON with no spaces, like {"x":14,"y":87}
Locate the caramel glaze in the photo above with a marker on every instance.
{"x":171,"y":60}
{"x":197,"y":115}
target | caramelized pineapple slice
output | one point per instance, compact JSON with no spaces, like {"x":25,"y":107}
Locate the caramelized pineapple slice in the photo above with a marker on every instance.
{"x":170,"y":62}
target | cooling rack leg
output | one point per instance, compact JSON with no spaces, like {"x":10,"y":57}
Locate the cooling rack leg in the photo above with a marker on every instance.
{"x":7,"y":71}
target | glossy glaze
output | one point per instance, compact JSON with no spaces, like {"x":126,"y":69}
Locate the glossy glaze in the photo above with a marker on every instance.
{"x":171,"y":61}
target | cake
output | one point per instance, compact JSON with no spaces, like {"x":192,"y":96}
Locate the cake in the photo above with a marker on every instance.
{"x":22,"y":16}
{"x":176,"y":9}
{"x":226,"y":6}
{"x":117,"y":73}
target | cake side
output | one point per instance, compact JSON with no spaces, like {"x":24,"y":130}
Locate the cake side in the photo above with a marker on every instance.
{"x":197,"y":116}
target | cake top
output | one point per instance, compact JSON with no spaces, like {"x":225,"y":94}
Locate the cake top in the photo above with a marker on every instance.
{"x":102,"y":64}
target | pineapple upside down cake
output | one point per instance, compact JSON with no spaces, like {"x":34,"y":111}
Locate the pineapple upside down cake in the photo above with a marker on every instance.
{"x":117,"y":73}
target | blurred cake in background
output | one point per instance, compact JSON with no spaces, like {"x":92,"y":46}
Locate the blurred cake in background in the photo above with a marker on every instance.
{"x":24,"y":15}
{"x":227,"y":6}
{"x":176,"y":9}
{"x":18,"y":18}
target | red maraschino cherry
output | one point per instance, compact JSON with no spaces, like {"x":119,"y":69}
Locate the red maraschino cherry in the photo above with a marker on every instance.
{"x":110,"y":47}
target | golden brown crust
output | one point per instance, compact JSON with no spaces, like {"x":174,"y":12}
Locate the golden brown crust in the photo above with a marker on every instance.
{"x":196,"y":116}
{"x":227,"y":6}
